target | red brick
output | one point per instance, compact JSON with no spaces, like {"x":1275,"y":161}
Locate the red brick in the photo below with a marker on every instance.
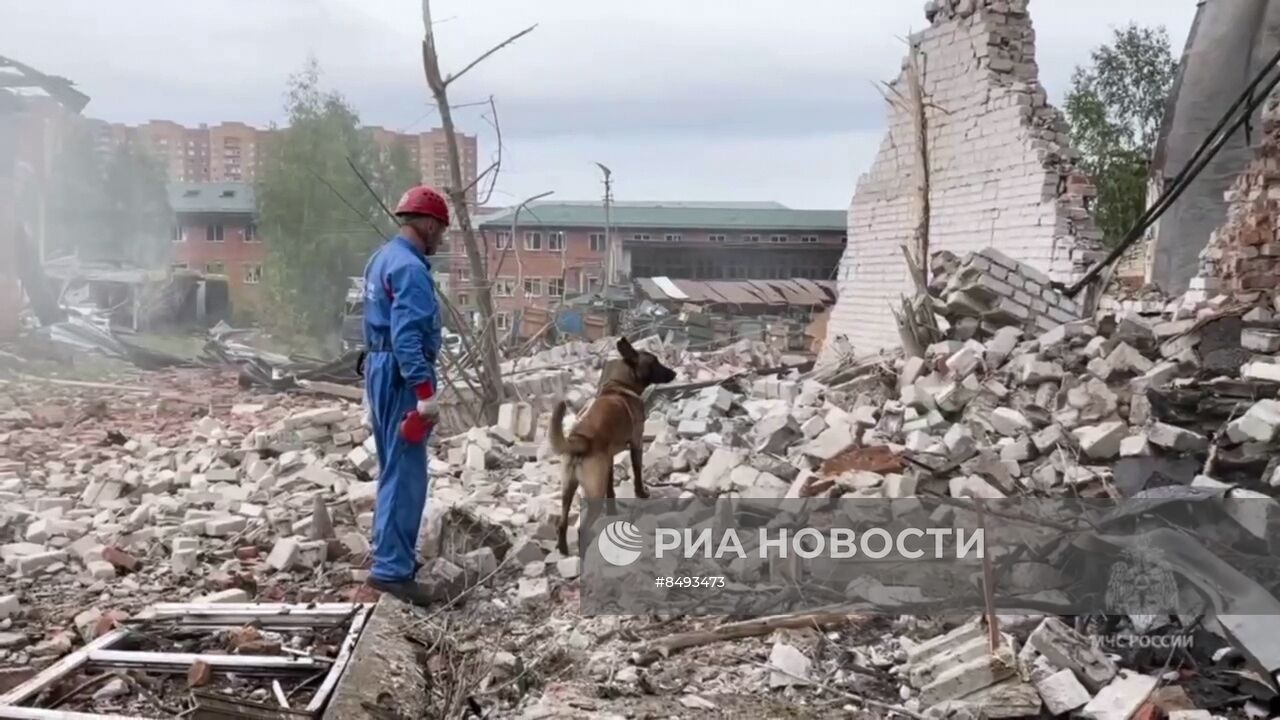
{"x":121,"y":559}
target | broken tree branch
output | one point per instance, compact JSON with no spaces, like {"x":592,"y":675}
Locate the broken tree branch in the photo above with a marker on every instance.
{"x":486,"y":55}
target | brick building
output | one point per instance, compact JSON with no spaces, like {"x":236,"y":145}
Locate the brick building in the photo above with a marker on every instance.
{"x":429,"y":152}
{"x":234,"y":151}
{"x":214,"y":232}
{"x":559,"y":249}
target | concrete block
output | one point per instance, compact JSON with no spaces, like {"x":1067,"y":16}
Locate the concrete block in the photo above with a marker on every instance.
{"x":792,"y":664}
{"x":1009,"y":422}
{"x":967,"y":359}
{"x":569,"y":568}
{"x":1262,"y":341}
{"x":184,"y":561}
{"x":284,"y":554}
{"x":1127,"y":359}
{"x":829,"y":443}
{"x":1177,"y":439}
{"x":1122,"y":698}
{"x":1260,"y":423}
{"x":1101,"y":442}
{"x":813,"y":427}
{"x":231,"y":596}
{"x":1019,"y":449}
{"x":1061,"y":692}
{"x":1065,"y":648}
{"x":1049,"y":438}
{"x":532,"y":590}
{"x":714,"y":476}
{"x":1261,"y":372}
{"x":224,"y":526}
{"x":1135,"y":446}
{"x":1036,"y":372}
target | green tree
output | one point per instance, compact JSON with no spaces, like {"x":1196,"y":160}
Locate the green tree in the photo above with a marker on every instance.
{"x":1114,"y":108}
{"x":112,"y":208}
{"x":314,"y":213}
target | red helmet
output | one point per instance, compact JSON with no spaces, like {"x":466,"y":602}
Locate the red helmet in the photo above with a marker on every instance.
{"x":423,"y":200}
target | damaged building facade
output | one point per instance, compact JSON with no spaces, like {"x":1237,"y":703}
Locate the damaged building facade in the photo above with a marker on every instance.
{"x":1000,"y":170}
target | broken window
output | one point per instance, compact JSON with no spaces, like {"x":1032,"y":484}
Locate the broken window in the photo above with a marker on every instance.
{"x":252,"y":274}
{"x":201,"y":660}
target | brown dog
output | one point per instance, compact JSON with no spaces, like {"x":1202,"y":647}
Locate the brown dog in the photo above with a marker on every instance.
{"x":615,"y":421}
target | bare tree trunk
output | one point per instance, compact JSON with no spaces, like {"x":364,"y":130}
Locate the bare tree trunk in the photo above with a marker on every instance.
{"x":457,"y":192}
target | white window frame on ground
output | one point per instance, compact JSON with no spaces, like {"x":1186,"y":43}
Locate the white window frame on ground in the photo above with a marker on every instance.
{"x":555,"y":241}
{"x":533,"y":240}
{"x":252,"y":273}
{"x":555,"y":287}
{"x":533,"y":287}
{"x":504,"y":287}
{"x":597,"y":242}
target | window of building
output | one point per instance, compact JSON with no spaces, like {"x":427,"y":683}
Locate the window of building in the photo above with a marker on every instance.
{"x":179,"y":234}
{"x":555,"y":287}
{"x":716,"y":238}
{"x":779,"y":238}
{"x":593,"y":283}
{"x":215,"y":268}
{"x":533,"y":241}
{"x":673,"y":237}
{"x":555,"y":241}
{"x":503,"y":241}
{"x":504,"y":287}
{"x":751,"y":238}
{"x":213,"y":233}
{"x":808,"y":238}
{"x":642,"y":237}
{"x":464,"y":299}
{"x":463,"y":274}
{"x":252,"y":274}
{"x":597,"y":242}
{"x":533,"y":287}
{"x":251,"y":233}
{"x":502,"y":320}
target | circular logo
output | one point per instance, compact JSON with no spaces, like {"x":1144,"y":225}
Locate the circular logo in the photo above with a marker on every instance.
{"x":620,"y":543}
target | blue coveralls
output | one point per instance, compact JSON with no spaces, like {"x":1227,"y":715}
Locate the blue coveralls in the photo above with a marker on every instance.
{"x":402,"y":337}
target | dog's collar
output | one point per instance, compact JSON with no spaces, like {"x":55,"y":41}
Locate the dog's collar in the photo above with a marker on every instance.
{"x":621,"y":391}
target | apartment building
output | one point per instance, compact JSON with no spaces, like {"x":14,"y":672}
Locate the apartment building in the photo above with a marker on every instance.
{"x":560,"y":249}
{"x":235,"y":152}
{"x":214,"y":232}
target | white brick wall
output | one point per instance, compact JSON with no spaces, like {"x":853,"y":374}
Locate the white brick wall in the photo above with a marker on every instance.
{"x":996,"y":169}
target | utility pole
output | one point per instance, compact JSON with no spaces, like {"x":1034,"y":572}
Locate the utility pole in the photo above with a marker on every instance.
{"x":609,"y":263}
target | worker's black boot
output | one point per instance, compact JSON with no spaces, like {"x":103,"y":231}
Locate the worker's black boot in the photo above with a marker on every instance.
{"x":414,"y":593}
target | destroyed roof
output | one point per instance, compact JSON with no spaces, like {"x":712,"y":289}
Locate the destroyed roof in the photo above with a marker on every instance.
{"x":221,"y":197}
{"x":737,"y":292}
{"x":711,"y":216}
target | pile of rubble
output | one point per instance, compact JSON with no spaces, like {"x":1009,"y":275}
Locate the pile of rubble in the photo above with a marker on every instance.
{"x":215,"y":495}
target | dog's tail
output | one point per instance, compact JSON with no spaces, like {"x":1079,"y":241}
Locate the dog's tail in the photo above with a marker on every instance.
{"x":572,"y":445}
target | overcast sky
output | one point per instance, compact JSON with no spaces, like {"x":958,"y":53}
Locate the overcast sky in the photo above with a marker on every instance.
{"x":684,"y":99}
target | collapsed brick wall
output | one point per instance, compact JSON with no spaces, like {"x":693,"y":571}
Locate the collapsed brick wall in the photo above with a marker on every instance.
{"x":1001,"y":172}
{"x":1244,"y":254}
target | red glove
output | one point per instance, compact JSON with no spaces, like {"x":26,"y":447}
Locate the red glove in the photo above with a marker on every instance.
{"x":417,"y":423}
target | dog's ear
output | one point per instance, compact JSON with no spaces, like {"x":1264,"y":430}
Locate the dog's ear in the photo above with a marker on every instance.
{"x":627,"y":352}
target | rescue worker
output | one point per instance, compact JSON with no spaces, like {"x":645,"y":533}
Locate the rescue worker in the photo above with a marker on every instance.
{"x":402,"y":339}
